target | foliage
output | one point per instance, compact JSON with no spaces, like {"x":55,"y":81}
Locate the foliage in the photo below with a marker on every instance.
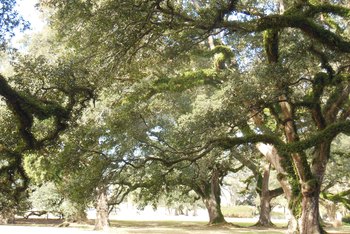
{"x":48,"y":198}
{"x":346,"y":219}
{"x":184,"y":82}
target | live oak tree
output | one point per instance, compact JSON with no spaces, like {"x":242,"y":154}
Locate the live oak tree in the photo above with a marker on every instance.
{"x":294,"y":54}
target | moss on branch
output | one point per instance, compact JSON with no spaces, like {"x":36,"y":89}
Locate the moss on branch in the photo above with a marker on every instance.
{"x":319,"y":137}
{"x":294,"y":20}
{"x":313,"y":10}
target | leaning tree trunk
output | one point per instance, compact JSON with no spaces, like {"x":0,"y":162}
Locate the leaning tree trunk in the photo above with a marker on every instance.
{"x":213,"y":206}
{"x":272,"y":156}
{"x":101,"y":221}
{"x":210,"y":194}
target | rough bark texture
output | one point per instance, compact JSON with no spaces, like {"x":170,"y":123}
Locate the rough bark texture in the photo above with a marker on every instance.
{"x":265,"y":200}
{"x":101,"y":222}
{"x":265,"y":210}
{"x":310,"y":222}
{"x":310,"y":218}
{"x":210,"y":194}
{"x":214,"y":211}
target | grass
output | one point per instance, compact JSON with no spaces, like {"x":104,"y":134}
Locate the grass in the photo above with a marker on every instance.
{"x":163,"y":226}
{"x":239,"y":211}
{"x":196,"y":227}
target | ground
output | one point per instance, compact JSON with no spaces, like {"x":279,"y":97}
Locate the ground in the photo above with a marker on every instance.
{"x":175,"y":226}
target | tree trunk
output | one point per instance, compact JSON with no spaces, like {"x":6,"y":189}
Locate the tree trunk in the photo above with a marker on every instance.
{"x":265,"y":210}
{"x":310,"y":217}
{"x":214,"y":210}
{"x":101,"y":222}
{"x":210,"y":193}
{"x":272,"y":156}
{"x":80,"y":216}
{"x":265,"y":199}
{"x":310,"y":222}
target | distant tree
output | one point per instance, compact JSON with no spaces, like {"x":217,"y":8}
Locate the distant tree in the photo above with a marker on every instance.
{"x":335,"y":192}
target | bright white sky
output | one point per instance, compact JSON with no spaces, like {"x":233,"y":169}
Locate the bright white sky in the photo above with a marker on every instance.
{"x":26,"y":8}
{"x":28,"y":11}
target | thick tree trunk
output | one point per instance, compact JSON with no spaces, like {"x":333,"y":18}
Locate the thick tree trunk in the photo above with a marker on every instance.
{"x":310,"y":217}
{"x":210,"y":193}
{"x":265,"y":210}
{"x":310,"y":222}
{"x":214,"y":210}
{"x":266,"y":196}
{"x":101,"y":222}
{"x":265,"y":199}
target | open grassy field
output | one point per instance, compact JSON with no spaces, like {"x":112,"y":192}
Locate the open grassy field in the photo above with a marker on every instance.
{"x":42,"y":226}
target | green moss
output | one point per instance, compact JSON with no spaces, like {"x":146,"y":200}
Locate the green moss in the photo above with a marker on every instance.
{"x":295,"y":205}
{"x":222,"y":55}
{"x":271,"y":45}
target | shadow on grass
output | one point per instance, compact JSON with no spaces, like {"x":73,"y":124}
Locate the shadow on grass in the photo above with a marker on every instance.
{"x":173,"y":227}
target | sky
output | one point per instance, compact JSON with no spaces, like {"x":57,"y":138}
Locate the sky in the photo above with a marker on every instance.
{"x":28,"y":11}
{"x":26,"y":8}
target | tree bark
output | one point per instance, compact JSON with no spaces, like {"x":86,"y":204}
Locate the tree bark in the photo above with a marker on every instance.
{"x":265,"y":200}
{"x":214,"y":210}
{"x":265,"y":210}
{"x":210,"y":193}
{"x":79,"y":217}
{"x":310,"y":222}
{"x":101,"y":222}
{"x":310,"y":218}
